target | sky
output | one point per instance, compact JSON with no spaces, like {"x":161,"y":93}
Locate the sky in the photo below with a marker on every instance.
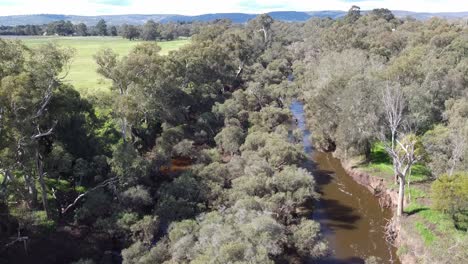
{"x":196,"y":7}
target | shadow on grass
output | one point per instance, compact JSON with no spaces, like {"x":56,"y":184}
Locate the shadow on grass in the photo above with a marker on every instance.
{"x":415,"y":208}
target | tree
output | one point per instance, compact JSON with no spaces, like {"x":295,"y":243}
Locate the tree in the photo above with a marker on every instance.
{"x":150,"y":31}
{"x":32,"y":91}
{"x":61,"y":28}
{"x":382,"y":13}
{"x":113,"y":31}
{"x":353,"y":15}
{"x":101,"y":28}
{"x":262,"y":24}
{"x":308,"y":240}
{"x":230,"y":139}
{"x":110,"y":67}
{"x":457,"y":113}
{"x":129,"y":32}
{"x":81,"y":29}
{"x":394,"y":105}
{"x":450,"y":195}
{"x":405,"y":155}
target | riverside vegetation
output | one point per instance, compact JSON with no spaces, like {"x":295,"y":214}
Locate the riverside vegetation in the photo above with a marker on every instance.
{"x":85,"y":178}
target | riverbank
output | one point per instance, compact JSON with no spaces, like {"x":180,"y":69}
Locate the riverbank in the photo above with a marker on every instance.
{"x":351,"y":218}
{"x":422,"y":234}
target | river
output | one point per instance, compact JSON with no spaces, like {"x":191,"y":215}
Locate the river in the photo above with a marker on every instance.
{"x":351,"y":218}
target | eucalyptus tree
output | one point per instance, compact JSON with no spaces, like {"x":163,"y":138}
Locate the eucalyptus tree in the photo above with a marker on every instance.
{"x":130,"y":32}
{"x":27,"y":95}
{"x":405,"y":155}
{"x":150,"y":31}
{"x":101,"y":28}
{"x":262,"y":24}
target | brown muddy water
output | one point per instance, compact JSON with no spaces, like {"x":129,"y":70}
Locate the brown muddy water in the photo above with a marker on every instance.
{"x":350,"y":216}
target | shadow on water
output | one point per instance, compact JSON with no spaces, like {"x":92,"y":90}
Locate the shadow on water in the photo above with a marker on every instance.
{"x":350,"y":216}
{"x":331,"y":260}
{"x":338,"y":214}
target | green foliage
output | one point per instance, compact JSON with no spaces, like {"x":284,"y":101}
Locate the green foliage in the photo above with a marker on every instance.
{"x":181,"y":198}
{"x":415,"y":193}
{"x":101,"y":28}
{"x":461,"y":221}
{"x":450,"y":193}
{"x":230,"y":139}
{"x":145,"y":229}
{"x":219,"y":106}
{"x":132,"y":254}
{"x":307,"y":239}
{"x":36,"y":221}
{"x":97,"y":204}
{"x":251,"y":240}
{"x":137,"y":195}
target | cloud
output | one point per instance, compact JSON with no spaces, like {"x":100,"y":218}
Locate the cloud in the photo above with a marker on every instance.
{"x":251,"y":5}
{"x":195,"y":7}
{"x":7,"y":3}
{"x":114,"y":2}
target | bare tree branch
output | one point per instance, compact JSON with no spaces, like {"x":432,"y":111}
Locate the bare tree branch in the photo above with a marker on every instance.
{"x":81,"y":196}
{"x":46,"y":99}
{"x":44,"y":134}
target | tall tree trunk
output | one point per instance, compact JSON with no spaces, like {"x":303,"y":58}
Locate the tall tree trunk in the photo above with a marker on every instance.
{"x":265,"y":34}
{"x":124,"y":129}
{"x":30,"y":185}
{"x":368,"y":151}
{"x":401,"y":196}
{"x":395,"y":174}
{"x":40,"y":172}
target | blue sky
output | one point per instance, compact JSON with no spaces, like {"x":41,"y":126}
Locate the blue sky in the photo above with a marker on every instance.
{"x":194,"y":7}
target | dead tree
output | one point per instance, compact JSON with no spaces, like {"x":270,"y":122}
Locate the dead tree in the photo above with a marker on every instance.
{"x":458,"y":150}
{"x":404,"y":157}
{"x":394,"y":104}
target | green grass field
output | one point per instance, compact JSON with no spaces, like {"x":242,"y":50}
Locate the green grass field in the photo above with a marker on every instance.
{"x":82,"y":74}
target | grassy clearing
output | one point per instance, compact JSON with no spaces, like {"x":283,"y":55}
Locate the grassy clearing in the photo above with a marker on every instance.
{"x":82,"y":74}
{"x":430,"y":227}
{"x":380,"y":164}
{"x":426,"y":234}
{"x":442,"y":222}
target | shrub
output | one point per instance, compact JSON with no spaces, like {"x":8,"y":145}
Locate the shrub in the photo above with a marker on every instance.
{"x":450,"y":195}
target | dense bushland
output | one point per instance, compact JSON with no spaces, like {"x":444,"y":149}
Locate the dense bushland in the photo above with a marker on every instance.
{"x":374,"y":84}
{"x":219,"y":103}
{"x":219,"y":106}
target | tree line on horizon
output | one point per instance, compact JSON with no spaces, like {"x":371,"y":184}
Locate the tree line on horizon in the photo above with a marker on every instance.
{"x":149,"y":31}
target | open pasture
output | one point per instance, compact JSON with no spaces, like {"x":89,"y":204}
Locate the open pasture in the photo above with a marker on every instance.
{"x":82,"y":74}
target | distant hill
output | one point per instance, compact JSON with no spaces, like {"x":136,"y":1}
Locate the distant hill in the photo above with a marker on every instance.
{"x":423,"y":16}
{"x":235,"y":17}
